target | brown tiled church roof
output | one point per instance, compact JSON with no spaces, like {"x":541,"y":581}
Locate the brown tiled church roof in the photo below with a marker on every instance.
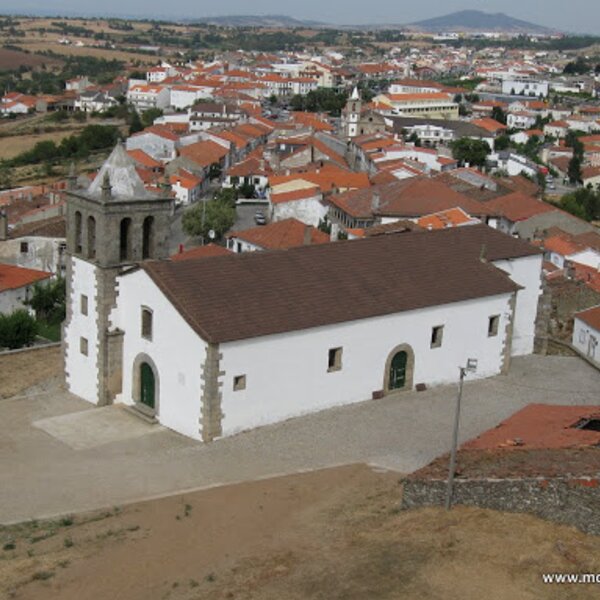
{"x":256,"y":294}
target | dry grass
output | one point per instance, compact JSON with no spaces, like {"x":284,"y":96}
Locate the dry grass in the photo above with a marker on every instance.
{"x":37,"y":45}
{"x":14,"y":145}
{"x":328,"y":535}
{"x":22,"y":370}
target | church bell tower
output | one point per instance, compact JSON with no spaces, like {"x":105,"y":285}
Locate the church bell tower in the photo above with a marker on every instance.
{"x":111,"y":226}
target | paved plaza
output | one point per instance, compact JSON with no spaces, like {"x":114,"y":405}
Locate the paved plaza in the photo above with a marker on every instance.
{"x":58,"y":454}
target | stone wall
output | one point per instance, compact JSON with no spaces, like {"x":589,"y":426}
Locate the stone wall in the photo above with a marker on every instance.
{"x":571,"y":501}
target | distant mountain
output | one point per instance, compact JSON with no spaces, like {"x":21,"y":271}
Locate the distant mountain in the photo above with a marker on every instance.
{"x":476,"y":20}
{"x":257,"y":21}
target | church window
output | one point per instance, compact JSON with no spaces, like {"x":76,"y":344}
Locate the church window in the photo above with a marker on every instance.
{"x":125,"y":239}
{"x":493,"y":323}
{"x":334,"y":359}
{"x":146,"y":323}
{"x":83,"y":346}
{"x":91,"y":237}
{"x":83,"y":304}
{"x":148,"y":238}
{"x":78,"y":242}
{"x":239,"y":383}
{"x":437,"y":333}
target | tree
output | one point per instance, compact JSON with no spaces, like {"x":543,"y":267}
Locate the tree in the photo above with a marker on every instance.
{"x":17,"y":329}
{"x":215,"y":215}
{"x":227,"y":195}
{"x":246,"y":190}
{"x":502,"y":142}
{"x":148,"y":116}
{"x":574,"y":169}
{"x":474,"y":152}
{"x":214,"y":172}
{"x":135,"y":123}
{"x":499,"y":115}
{"x":48,"y":301}
{"x":6,"y":176}
{"x":583,"y":203}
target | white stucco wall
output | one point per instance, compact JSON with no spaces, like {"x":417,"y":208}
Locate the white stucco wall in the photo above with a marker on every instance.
{"x":587,"y":340}
{"x":527,"y":272}
{"x":176,"y":351}
{"x":286,"y":374}
{"x":309,"y":211}
{"x":11,"y":300}
{"x":81,"y":370}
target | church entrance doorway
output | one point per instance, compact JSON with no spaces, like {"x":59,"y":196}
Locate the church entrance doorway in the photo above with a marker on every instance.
{"x":147,"y":385}
{"x":399,"y":369}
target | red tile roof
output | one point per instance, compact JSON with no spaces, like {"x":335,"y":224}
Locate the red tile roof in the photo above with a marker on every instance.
{"x":518,"y":206}
{"x":591,"y":317}
{"x":207,"y":251}
{"x":281,"y":235}
{"x":13,"y":277}
{"x":540,"y":426}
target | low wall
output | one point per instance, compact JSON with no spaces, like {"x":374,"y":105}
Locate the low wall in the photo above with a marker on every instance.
{"x":571,"y":501}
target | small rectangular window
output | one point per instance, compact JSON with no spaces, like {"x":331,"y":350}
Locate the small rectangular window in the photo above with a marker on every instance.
{"x":83,"y":346}
{"x":239,"y":383}
{"x":493,"y":324}
{"x":437,"y":333}
{"x":24,"y":247}
{"x":84,"y":304}
{"x":146,"y":323}
{"x":334,"y":359}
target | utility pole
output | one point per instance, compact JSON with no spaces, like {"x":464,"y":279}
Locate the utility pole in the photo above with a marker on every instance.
{"x":471,"y":367}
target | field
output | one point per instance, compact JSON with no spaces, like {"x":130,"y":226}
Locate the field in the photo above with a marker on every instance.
{"x":13,"y":59}
{"x":334,"y":534}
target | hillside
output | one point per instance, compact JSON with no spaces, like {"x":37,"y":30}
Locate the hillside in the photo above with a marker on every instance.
{"x":476,"y":20}
{"x":278,"y":21}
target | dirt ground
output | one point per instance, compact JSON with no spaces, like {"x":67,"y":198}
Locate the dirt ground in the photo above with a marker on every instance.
{"x":334,"y":534}
{"x":23,"y":370}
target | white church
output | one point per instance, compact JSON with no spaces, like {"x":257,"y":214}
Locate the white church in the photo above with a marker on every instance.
{"x":214,"y":346}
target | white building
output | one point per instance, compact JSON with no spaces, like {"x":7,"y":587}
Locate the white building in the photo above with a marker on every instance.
{"x":16,"y":286}
{"x":144,"y":97}
{"x":211,"y":347}
{"x":586,"y":333}
{"x":525,"y":87}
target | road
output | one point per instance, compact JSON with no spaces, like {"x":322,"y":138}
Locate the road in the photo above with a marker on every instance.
{"x":54,"y":464}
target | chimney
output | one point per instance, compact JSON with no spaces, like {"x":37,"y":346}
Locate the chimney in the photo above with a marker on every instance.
{"x":307,"y":236}
{"x":375,"y":201}
{"x":3,"y":225}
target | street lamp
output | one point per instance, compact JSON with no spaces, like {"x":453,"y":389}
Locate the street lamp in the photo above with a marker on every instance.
{"x":470,"y":367}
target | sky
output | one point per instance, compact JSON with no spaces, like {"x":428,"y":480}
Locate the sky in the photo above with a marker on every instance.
{"x":581,"y":16}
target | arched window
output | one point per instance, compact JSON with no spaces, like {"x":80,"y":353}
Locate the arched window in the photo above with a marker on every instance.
{"x":91,"y":237}
{"x":78,"y":247}
{"x":147,"y":323}
{"x":148,"y":238}
{"x":125,"y":239}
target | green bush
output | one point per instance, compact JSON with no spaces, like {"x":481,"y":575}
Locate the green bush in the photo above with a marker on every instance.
{"x":17,"y":329}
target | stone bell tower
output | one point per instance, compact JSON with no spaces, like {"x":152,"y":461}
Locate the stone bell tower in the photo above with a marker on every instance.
{"x":111,"y":226}
{"x":351,"y":115}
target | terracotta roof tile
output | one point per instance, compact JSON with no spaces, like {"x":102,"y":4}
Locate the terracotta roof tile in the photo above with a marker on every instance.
{"x":281,"y":235}
{"x":13,"y":277}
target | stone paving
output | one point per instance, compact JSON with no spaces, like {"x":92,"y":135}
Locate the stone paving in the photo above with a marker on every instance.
{"x":60,"y":455}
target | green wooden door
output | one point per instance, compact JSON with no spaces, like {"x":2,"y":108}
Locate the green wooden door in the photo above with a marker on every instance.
{"x":147,"y":387}
{"x":398,"y":371}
